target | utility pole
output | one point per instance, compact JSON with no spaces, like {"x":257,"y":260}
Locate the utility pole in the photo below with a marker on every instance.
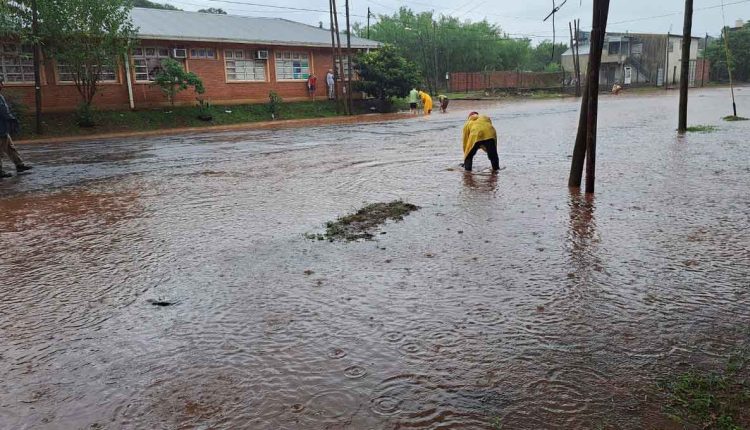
{"x":37,"y":59}
{"x":729,"y":68}
{"x":703,"y":63}
{"x":338,"y":49}
{"x":685,"y":67}
{"x":434,"y":48}
{"x":333,"y":49}
{"x":666,"y":66}
{"x":368,"y":22}
{"x":349,"y":106}
{"x":585,"y":145}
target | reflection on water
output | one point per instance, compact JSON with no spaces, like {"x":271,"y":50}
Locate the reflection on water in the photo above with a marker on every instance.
{"x":503,"y":298}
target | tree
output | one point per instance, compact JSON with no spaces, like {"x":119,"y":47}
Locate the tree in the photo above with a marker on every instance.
{"x":384,"y":73}
{"x":172,"y":78}
{"x":151,"y":5}
{"x":85,"y":37}
{"x":457,"y":45}
{"x":214,"y":10}
{"x":739,"y":54}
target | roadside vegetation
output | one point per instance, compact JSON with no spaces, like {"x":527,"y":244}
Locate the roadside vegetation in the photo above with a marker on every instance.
{"x":65,"y":124}
{"x":712,"y":400}
{"x":701,"y":128}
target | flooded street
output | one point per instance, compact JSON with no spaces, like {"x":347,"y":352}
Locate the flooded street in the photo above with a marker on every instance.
{"x":503,"y":300}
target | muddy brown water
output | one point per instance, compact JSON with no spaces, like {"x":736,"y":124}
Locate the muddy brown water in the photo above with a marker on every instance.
{"x":502,"y":300}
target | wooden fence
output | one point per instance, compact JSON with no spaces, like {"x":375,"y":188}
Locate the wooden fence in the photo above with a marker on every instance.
{"x":489,"y":81}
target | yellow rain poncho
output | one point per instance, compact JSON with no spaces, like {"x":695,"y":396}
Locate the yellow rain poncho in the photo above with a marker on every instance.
{"x":426,"y":101}
{"x":477,"y":129}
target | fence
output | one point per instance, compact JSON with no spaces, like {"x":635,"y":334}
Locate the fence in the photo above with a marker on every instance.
{"x":517,"y":80}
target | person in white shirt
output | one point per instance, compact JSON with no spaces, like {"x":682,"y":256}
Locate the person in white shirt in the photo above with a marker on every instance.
{"x":331,"y":84}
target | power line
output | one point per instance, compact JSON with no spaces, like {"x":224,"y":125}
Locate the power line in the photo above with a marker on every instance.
{"x":679,"y":13}
{"x":277,"y":7}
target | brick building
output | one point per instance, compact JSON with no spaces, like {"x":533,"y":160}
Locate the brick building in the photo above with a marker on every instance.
{"x":240,"y":59}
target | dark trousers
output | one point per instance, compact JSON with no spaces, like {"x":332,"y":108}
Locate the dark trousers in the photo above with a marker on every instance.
{"x":490,"y":146}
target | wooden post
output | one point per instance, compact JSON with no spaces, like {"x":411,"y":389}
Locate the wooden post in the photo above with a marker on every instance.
{"x":703,"y":63}
{"x":599,"y":26}
{"x":687,"y":38}
{"x":577,"y":29}
{"x":585,"y":144}
{"x":572,"y":53}
{"x":666,"y":66}
{"x":333,"y":54}
{"x":338,"y":49}
{"x":349,"y":106}
{"x":37,"y":66}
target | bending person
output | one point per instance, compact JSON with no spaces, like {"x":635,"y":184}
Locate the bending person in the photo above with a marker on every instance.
{"x":479,"y":133}
{"x":426,"y":102}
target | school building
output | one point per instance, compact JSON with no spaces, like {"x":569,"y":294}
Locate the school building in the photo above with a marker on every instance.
{"x":240,"y":60}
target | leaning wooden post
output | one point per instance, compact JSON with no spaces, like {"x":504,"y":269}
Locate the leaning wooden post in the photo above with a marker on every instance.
{"x":599,"y":28}
{"x":687,"y":38}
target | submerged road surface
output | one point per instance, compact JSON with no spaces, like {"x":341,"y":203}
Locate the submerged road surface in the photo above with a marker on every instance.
{"x":504,"y":300}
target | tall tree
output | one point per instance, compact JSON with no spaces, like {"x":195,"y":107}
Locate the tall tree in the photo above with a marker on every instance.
{"x":384,"y":73}
{"x":85,"y":37}
{"x":737,"y":56}
{"x":457,"y":45}
{"x":214,"y":10}
{"x":152,"y":5}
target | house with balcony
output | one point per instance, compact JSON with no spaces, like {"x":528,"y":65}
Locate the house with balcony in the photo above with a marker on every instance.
{"x":639,"y":59}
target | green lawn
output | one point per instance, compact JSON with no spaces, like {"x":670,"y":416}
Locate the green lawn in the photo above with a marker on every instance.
{"x":64,"y":124}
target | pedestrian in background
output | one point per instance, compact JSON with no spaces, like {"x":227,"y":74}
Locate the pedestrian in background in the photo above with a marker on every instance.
{"x":443,"y":103}
{"x":331,"y":84}
{"x":426,"y":102}
{"x":413,"y":100}
{"x":8,"y":126}
{"x":312,"y":82}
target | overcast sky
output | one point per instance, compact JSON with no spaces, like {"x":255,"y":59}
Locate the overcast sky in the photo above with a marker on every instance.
{"x":518,"y":18}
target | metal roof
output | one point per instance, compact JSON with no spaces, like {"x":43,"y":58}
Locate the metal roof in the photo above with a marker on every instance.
{"x":207,"y":27}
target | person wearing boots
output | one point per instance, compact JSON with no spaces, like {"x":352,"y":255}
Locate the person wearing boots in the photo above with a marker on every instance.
{"x":7,"y":123}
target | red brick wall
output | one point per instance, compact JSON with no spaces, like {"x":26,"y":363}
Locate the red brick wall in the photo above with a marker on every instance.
{"x":65,"y":97}
{"x":480,"y":81}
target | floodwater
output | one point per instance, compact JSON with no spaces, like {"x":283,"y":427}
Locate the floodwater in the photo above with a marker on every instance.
{"x":505,"y":300}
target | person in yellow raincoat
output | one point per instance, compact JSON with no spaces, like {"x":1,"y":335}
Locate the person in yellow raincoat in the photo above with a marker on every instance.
{"x":479,"y":133}
{"x":426,"y":102}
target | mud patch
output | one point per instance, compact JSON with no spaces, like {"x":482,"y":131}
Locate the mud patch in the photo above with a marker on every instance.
{"x":359,"y":225}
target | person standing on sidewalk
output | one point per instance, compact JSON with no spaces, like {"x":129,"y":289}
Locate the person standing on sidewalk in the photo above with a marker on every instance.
{"x":331,"y":84}
{"x":7,"y":123}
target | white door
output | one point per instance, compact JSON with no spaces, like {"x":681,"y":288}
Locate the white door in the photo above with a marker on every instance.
{"x":628,"y":75}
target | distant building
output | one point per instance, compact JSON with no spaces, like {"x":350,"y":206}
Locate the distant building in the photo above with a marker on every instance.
{"x":639,"y":58}
{"x":240,"y":60}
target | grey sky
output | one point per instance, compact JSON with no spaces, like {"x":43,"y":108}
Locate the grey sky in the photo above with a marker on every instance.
{"x":518,"y":18}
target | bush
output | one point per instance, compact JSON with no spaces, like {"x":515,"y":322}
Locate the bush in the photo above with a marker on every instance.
{"x":84,"y":115}
{"x":204,"y":110}
{"x":274,"y":104}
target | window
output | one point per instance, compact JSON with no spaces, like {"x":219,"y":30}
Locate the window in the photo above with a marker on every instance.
{"x":240,"y":66}
{"x":292,"y":65}
{"x":671,"y":46}
{"x":203,"y":53}
{"x":107,"y":73}
{"x":147,"y":62}
{"x":16,"y":63}
{"x":614,"y":48}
